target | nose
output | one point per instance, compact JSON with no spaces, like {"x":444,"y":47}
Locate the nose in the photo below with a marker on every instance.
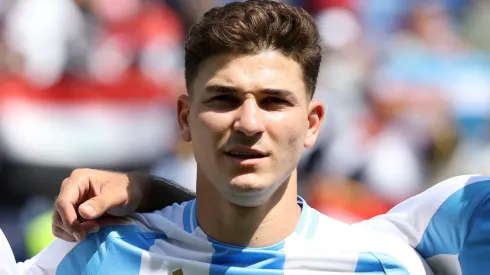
{"x":249,"y":118}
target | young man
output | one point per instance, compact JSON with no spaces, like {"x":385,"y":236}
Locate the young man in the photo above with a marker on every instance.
{"x":251,"y":69}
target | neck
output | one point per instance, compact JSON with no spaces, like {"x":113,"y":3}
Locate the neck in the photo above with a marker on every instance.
{"x":236,"y":225}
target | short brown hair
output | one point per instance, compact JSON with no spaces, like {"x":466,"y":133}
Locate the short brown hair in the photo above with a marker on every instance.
{"x":251,"y":27}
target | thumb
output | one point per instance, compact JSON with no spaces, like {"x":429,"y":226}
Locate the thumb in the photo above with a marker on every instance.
{"x":93,"y":208}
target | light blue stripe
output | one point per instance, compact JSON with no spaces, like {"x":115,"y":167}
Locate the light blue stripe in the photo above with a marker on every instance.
{"x":111,"y":250}
{"x":446,"y":231}
{"x":193,"y":216}
{"x":187,"y":217}
{"x":391,"y":265}
{"x":312,"y":227}
{"x":76,"y":260}
{"x":461,"y":226}
{"x":379,"y":263}
{"x":303,"y":218}
{"x":368,"y":263}
{"x":475,"y":254}
{"x":234,"y":260}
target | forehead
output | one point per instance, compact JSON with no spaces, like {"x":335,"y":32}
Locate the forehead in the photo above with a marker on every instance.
{"x":266,"y":70}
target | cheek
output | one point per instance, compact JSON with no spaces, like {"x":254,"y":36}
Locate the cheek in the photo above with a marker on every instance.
{"x":210,"y":128}
{"x":289,"y":130}
{"x":214,"y":122}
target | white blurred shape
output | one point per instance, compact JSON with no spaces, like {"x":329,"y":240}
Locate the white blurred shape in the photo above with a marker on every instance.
{"x":41,"y":31}
{"x":469,"y":94}
{"x":161,"y":59}
{"x":393,"y":170}
{"x":108,"y":62}
{"x":83,"y":135}
{"x":338,"y":27}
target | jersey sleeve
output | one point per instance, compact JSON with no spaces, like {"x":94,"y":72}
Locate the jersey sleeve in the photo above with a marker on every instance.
{"x":448,"y":225}
{"x":44,"y":263}
{"x":7,"y":260}
{"x":475,"y":250}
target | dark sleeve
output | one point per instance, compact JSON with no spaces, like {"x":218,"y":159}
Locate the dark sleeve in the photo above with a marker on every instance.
{"x":164,"y":192}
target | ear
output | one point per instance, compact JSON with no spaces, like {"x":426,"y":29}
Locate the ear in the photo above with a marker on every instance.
{"x":316,"y":113}
{"x":183,"y":110}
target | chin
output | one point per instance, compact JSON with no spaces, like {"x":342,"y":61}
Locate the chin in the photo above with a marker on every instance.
{"x":250,"y":190}
{"x":249,"y":182}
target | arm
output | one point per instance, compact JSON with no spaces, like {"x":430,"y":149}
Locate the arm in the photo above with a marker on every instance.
{"x":87,"y":194}
{"x":7,"y":260}
{"x":163,"y":192}
{"x":45,"y":263}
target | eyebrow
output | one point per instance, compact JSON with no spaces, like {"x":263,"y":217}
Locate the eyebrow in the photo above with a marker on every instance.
{"x":223,"y":89}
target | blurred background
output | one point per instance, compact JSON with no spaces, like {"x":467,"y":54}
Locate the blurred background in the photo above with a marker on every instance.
{"x":92,"y":83}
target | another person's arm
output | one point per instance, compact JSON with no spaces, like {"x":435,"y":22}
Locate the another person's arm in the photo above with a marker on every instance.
{"x":45,"y":263}
{"x":88,"y":194}
{"x":163,"y":192}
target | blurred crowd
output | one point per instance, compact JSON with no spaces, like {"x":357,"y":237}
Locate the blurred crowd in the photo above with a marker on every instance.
{"x":92,"y":83}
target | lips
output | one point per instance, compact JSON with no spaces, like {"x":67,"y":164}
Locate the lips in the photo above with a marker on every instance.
{"x":246,"y":153}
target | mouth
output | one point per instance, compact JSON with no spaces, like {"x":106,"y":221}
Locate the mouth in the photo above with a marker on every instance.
{"x":246,"y":154}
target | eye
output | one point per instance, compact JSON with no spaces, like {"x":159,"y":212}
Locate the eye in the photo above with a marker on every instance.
{"x":275,"y":101}
{"x":224,"y":98}
{"x":223,"y":102}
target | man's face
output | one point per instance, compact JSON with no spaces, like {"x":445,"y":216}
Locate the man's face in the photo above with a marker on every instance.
{"x":249,"y":118}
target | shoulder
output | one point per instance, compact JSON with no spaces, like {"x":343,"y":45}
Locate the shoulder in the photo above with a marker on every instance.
{"x":448,"y":224}
{"x":387,"y":251}
{"x":457,"y":235}
{"x":109,"y":248}
{"x":171,"y":217}
{"x":316,"y":226}
{"x":449,"y":204}
{"x":127,"y":241}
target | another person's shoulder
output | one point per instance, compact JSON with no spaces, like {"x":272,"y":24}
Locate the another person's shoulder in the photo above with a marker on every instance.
{"x":449,"y":204}
{"x":177,"y":215}
{"x":447,"y":224}
{"x":373,"y":250}
{"x":392,"y":254}
{"x":457,"y":235}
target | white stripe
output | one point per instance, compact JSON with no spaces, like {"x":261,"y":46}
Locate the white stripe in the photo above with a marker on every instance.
{"x":165,"y":257}
{"x":61,"y":132}
{"x":323,"y":251}
{"x":409,"y":219}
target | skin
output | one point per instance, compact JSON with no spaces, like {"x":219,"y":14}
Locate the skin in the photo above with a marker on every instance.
{"x":236,"y":102}
{"x":246,"y":102}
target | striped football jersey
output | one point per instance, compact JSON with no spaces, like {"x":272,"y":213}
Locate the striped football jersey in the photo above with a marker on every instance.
{"x":171,"y":242}
{"x":448,"y":225}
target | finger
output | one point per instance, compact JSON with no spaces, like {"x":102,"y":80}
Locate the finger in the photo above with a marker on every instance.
{"x":71,"y":194}
{"x":61,"y":234}
{"x":58,"y":230}
{"x":67,"y":213}
{"x":94,"y":207}
{"x":57,"y":221}
{"x":90,"y":226}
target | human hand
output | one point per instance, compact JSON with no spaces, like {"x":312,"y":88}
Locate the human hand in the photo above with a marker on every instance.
{"x":87,"y":194}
